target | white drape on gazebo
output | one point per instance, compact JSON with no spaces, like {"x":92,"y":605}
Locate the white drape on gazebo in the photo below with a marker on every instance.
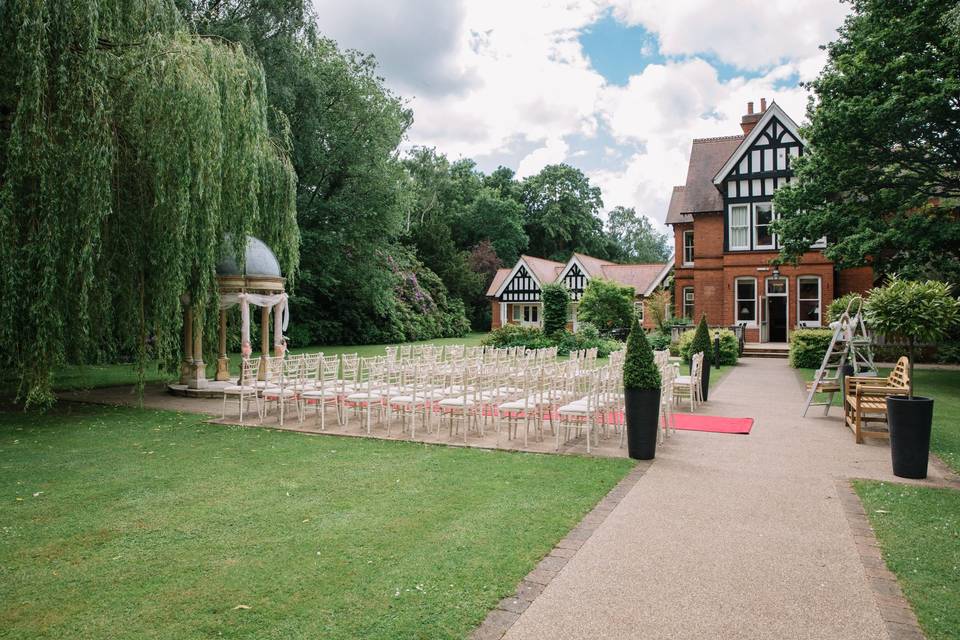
{"x":277,"y":302}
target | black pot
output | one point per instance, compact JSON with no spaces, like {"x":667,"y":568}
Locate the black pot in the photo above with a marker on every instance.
{"x":909,"y":420}
{"x":705,"y":379}
{"x":642,"y":408}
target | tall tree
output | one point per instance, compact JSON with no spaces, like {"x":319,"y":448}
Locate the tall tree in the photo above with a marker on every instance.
{"x":561,"y":213}
{"x":128,"y":148}
{"x":634,"y":238}
{"x":879,"y":177}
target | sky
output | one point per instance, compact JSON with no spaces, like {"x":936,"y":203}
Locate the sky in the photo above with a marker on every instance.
{"x":617,"y":88}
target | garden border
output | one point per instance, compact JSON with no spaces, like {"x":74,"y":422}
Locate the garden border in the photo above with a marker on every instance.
{"x":508,"y":610}
{"x":895,"y":610}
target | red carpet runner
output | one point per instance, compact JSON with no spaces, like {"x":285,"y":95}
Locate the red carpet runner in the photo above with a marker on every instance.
{"x":713,"y":424}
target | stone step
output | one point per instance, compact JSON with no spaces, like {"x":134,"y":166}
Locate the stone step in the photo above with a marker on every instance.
{"x":759,"y":352}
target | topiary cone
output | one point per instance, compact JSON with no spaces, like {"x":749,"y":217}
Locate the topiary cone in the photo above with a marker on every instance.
{"x":701,"y":342}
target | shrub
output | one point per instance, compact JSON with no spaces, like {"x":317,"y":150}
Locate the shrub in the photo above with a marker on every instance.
{"x":556,"y":300}
{"x":808,"y":346}
{"x":588,"y":330}
{"x":567,"y":342}
{"x":659,"y":341}
{"x":948,"y":353}
{"x":658,"y":306}
{"x":921,"y":312}
{"x":701,"y":342}
{"x":639,"y":369}
{"x":513,"y":335}
{"x":839,"y":305}
{"x":729,"y":347}
{"x":607,"y":305}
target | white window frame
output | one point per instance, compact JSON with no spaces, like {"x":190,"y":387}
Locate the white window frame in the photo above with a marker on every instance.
{"x":638,"y":309}
{"x":683,"y":303}
{"x":819,"y":299}
{"x":688,"y":263}
{"x":516,"y":313}
{"x":756,"y":229}
{"x":737,"y":299}
{"x":730,"y":228}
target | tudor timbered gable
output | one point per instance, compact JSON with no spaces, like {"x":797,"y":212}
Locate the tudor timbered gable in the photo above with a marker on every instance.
{"x":760,"y":165}
{"x":522,"y":287}
{"x":575,"y":280}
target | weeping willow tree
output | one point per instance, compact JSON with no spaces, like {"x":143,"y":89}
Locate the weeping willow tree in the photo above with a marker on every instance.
{"x":129,"y":147}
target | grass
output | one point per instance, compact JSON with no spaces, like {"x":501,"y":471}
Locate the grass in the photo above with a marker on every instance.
{"x":108,"y":375}
{"x":944,"y":387}
{"x":126,"y":523}
{"x":919,"y":533}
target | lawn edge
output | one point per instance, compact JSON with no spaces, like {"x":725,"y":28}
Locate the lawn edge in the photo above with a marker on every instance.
{"x":895,"y":610}
{"x":507,"y":612}
{"x":950,"y":477}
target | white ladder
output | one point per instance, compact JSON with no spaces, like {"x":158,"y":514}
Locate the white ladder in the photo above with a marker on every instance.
{"x":851,"y":345}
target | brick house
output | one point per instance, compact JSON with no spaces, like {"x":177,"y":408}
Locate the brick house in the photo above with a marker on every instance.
{"x":514,"y":293}
{"x":724,"y":244}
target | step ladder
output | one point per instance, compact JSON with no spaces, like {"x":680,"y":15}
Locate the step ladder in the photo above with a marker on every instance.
{"x":850,"y":345}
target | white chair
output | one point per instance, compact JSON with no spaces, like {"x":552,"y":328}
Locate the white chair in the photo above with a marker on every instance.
{"x":689,"y":386}
{"x":412,"y":400}
{"x":461,"y":404}
{"x":327,"y":390}
{"x":581,"y":413}
{"x":370,"y":389}
{"x":287,"y":386}
{"x":245,"y":389}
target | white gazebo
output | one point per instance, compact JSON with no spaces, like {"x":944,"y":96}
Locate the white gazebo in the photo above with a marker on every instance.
{"x":259,"y":283}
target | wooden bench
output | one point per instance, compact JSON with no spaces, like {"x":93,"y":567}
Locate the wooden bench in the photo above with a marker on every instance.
{"x":865,"y":400}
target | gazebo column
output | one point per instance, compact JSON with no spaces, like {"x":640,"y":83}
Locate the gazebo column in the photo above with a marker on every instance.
{"x":198,"y":369}
{"x":223,"y":362}
{"x":264,"y":341}
{"x":187,"y":362}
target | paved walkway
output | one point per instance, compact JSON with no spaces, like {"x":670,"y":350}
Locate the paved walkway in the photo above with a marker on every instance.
{"x":728,"y":536}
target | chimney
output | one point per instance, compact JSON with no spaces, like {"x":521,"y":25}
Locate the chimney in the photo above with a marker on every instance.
{"x":750,"y":120}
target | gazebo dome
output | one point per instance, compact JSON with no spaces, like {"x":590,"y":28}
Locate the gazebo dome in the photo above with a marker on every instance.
{"x":259,"y":259}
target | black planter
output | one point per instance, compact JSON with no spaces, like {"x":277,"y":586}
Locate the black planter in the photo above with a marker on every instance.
{"x":705,"y":379}
{"x":642,"y":408}
{"x":909,"y":420}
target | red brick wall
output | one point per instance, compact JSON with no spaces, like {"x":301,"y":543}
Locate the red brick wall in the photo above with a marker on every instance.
{"x":857,"y":279}
{"x":494,"y":315}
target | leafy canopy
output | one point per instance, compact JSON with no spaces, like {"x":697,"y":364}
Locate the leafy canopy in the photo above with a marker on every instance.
{"x":131,"y":148}
{"x":639,"y":369}
{"x":606,"y":304}
{"x":921,"y":312}
{"x":879,"y":177}
{"x":634,"y":239}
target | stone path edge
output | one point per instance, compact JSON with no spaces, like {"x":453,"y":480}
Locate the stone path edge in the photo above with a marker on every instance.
{"x":508,"y":610}
{"x":895,"y":610}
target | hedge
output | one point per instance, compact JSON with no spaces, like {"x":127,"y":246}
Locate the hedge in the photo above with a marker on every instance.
{"x":729,"y":346}
{"x":808,"y":346}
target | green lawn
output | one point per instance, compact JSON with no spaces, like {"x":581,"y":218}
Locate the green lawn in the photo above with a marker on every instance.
{"x":944,"y":388}
{"x":126,"y":523}
{"x":919,"y":532}
{"x":92,"y":376}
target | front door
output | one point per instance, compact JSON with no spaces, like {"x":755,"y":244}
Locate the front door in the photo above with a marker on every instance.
{"x":775,"y":311}
{"x":777,"y":317}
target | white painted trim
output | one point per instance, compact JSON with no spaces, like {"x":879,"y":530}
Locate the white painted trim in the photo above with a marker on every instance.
{"x":513,"y":272}
{"x":574,"y":261}
{"x":806,"y":323}
{"x":753,"y":223}
{"x":773,"y":110}
{"x":730,"y":207}
{"x":683,"y":247}
{"x":659,"y":279}
{"x":756,"y":301}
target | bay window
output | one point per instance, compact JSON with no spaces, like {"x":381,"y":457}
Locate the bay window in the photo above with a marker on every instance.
{"x":688,"y":247}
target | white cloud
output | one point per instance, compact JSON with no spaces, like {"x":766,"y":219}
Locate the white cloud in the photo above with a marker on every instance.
{"x":554,"y":152}
{"x":751,"y":34}
{"x":497,"y":78}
